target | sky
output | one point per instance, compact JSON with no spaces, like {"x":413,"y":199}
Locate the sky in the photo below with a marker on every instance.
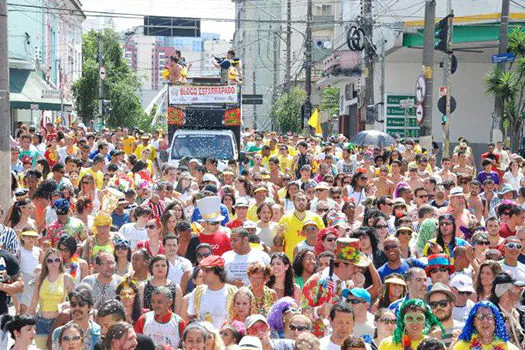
{"x":174,"y":8}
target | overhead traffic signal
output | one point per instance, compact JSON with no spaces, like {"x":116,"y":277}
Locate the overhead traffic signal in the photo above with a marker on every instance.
{"x":443,"y":33}
{"x":106,"y":107}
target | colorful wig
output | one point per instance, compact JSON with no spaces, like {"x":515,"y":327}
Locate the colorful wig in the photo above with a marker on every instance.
{"x":430,"y":319}
{"x":500,"y":331}
{"x":276,"y":313}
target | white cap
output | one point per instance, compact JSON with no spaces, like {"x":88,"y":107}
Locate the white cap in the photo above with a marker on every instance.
{"x":462,"y":283}
{"x":250,"y":342}
{"x":457,"y":191}
{"x":249,"y":224}
{"x":209,"y":177}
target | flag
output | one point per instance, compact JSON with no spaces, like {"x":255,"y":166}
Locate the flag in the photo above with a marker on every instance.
{"x":315,"y":123}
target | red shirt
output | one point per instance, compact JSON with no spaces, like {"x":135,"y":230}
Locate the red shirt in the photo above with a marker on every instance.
{"x":220,"y":243}
{"x":505,"y":231}
{"x":145,"y":245}
{"x":234,"y":224}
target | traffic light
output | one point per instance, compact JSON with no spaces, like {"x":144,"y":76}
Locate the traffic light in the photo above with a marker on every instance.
{"x":106,"y":107}
{"x":441,"y":33}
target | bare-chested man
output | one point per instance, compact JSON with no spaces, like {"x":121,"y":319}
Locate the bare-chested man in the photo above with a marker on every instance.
{"x":414,"y":181}
{"x":422,"y":164}
{"x":384,"y":185}
{"x":446,"y":174}
{"x":396,"y":175}
{"x":475,"y":204}
{"x":462,"y":168}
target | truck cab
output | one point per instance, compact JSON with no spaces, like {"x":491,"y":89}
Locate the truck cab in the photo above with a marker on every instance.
{"x":204,"y":120}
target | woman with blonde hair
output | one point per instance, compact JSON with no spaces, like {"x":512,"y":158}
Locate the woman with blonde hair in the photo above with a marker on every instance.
{"x":52,"y":288}
{"x":243,"y":305}
{"x":259,"y":274}
{"x":213,"y":340}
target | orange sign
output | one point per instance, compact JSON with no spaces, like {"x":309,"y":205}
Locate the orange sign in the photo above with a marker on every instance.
{"x":175,"y":116}
{"x":232,"y":117}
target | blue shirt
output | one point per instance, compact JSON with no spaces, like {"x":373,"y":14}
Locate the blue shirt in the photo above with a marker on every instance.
{"x":385,"y":270}
{"x":196,"y":216}
{"x":119,"y":220}
{"x":91,"y":336}
{"x":482,"y":176}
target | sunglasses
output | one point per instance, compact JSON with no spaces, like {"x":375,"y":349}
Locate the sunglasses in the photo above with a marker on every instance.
{"x":388,"y":320}
{"x":310,"y":229}
{"x":441,"y":303}
{"x":330,"y":239}
{"x":299,"y":328}
{"x":50,"y":261}
{"x":445,"y":223}
{"x":354,"y":301}
{"x":203,"y":255}
{"x":512,"y":245}
{"x":409,"y":319}
{"x":390,"y":247}
{"x":292,"y":310}
{"x":151,"y":227}
{"x":73,"y":338}
{"x":79,"y":303}
{"x":439,"y":269}
{"x":484,"y":316}
{"x":322,"y":210}
{"x":381,"y":226}
{"x":482,"y":243}
{"x":465,"y":293}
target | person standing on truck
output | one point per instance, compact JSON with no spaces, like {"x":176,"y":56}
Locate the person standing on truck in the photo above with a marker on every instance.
{"x":175,"y":70}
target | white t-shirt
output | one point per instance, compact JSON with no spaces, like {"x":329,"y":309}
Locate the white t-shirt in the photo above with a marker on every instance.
{"x":176,"y":271}
{"x":460,"y":313}
{"x":513,"y":181}
{"x":133,"y":234}
{"x":236,"y":266}
{"x":266,"y":234}
{"x":517,"y":272}
{"x":365,"y":328}
{"x":326,"y":344}
{"x":212,"y":307}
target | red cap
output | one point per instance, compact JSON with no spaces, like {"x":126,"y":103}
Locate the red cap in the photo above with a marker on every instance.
{"x":212,"y":261}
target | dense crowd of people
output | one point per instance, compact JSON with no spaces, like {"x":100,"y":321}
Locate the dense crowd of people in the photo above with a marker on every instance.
{"x":307,"y":244}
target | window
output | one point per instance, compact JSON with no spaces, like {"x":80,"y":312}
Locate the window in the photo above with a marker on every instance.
{"x":202,"y":146}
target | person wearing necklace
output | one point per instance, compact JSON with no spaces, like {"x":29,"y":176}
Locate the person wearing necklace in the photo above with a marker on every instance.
{"x":101,"y":241}
{"x":153,"y":244}
{"x":415,"y":321}
{"x":484,"y":330}
{"x":264,"y":296}
{"x":73,"y":265}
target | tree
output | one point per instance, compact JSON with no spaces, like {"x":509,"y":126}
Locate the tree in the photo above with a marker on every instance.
{"x":286,"y":110}
{"x":121,"y":84}
{"x":330,"y":101}
{"x":509,"y":86}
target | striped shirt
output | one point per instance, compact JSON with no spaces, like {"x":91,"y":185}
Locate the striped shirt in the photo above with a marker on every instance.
{"x":8,"y":239}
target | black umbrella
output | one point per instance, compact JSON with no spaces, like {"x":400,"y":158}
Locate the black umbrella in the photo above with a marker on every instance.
{"x":372,"y":138}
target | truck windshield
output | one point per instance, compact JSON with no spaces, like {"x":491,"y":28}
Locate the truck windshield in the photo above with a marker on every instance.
{"x":202,"y":146}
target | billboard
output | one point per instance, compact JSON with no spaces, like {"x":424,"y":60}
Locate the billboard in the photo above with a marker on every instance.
{"x":172,"y":26}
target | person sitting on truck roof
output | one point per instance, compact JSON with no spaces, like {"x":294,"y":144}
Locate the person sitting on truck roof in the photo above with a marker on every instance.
{"x":175,"y":68}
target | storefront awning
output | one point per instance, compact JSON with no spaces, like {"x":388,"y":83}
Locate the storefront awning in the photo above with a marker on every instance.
{"x":28,"y":91}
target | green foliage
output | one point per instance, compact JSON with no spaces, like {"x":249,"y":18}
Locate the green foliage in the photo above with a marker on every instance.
{"x":509,"y":87}
{"x":330,"y":100}
{"x":121,"y":85}
{"x":286,"y":111}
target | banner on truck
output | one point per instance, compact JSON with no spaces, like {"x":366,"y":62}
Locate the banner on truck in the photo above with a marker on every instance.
{"x":188,"y":94}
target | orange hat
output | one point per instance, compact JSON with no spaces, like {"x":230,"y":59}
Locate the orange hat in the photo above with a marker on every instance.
{"x":212,"y":261}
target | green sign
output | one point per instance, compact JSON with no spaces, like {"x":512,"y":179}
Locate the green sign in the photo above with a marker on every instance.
{"x":411,"y":133}
{"x":396,"y":99}
{"x":400,"y":111}
{"x":400,"y":122}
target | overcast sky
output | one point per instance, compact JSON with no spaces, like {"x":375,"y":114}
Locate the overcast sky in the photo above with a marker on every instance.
{"x":175,"y":8}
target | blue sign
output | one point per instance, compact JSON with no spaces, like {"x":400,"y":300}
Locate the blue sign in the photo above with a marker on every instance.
{"x":503,"y":57}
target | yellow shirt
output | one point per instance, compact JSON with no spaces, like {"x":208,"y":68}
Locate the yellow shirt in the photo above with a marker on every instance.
{"x":387,"y":344}
{"x":128,"y":144}
{"x":294,"y":226}
{"x":98,"y":176}
{"x":52,"y":294}
{"x":252,"y":213}
{"x":285,"y":163}
{"x":462,"y":345}
{"x":152,"y":154}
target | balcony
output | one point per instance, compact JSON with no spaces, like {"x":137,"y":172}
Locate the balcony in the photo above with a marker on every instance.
{"x":340,"y":64}
{"x":322,"y":22}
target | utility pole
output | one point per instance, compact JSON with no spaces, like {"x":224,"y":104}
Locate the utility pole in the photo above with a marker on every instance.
{"x":503,"y":43}
{"x":368,"y":29}
{"x":254,"y":91}
{"x":275,"y":69}
{"x":100,"y":80}
{"x":308,"y":65}
{"x":428,"y":72}
{"x":288,"y":68}
{"x":5,"y":119}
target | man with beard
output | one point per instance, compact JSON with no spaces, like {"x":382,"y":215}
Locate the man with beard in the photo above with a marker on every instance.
{"x":104,"y":283}
{"x":81,"y":303}
{"x":395,"y":264}
{"x":161,"y":324}
{"x":441,"y":300}
{"x":342,"y":318}
{"x":293,"y":223}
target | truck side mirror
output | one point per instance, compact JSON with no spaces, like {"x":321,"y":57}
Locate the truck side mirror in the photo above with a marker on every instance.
{"x":242,"y":157}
